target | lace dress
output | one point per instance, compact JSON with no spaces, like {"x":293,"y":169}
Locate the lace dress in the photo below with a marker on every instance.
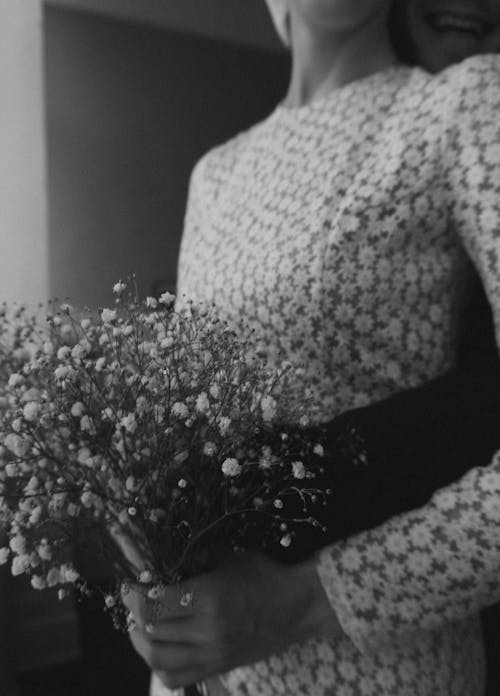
{"x":344,"y":232}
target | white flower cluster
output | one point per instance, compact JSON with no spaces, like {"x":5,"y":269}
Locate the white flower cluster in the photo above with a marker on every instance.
{"x":157,"y":422}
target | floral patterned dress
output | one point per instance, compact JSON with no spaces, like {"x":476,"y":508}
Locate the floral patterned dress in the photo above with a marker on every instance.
{"x":344,"y":232}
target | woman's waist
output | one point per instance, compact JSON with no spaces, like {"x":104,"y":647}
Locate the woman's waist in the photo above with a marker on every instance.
{"x":325,"y":666}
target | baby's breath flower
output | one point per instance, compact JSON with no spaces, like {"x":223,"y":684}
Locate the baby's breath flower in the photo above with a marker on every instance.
{"x":36,"y":515}
{"x":119,"y":287}
{"x":31,"y":394}
{"x":62,"y":372}
{"x":319,"y":450}
{"x":151,"y":303}
{"x":202,"y":403}
{"x":77,"y":409}
{"x":86,"y":424}
{"x":145,"y":577}
{"x":129,"y":422}
{"x":63,"y":352}
{"x":80,"y":351}
{"x":131,"y":484}
{"x":299,"y":470}
{"x":20,"y":446}
{"x":265,"y":460}
{"x":110,"y":601}
{"x":72,"y":510}
{"x":209,"y":449}
{"x":20,"y":564}
{"x":87,"y":499}
{"x":84,"y":455}
{"x":38,"y":582}
{"x":224,"y":424}
{"x":108,"y":316}
{"x":231,"y":467}
{"x":31,"y":411}
{"x":11,"y":469}
{"x":214,"y":391}
{"x":155,"y":592}
{"x":182,"y":483}
{"x":69,"y":574}
{"x":18,"y":544}
{"x":16,"y":380}
{"x":179,"y":409}
{"x":141,"y":405}
{"x":4,"y":555}
{"x":268,"y":406}
{"x":167,"y":299}
{"x":286,"y":540}
{"x":100,"y":364}
{"x":53,"y":577}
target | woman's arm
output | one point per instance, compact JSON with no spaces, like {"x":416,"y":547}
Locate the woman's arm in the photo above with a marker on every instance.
{"x":415,"y":442}
{"x":441,"y":563}
{"x":244,"y":611}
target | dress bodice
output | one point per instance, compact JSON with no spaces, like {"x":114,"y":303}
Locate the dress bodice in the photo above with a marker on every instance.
{"x":344,"y":233}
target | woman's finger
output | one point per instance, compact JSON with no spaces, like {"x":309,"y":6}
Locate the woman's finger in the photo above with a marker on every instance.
{"x":177,"y":602}
{"x":138,"y":605}
{"x":179,"y":680}
{"x":162,"y":656}
{"x":181,"y":630}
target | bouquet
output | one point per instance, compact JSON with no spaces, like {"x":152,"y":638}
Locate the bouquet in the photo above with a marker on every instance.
{"x":150,"y":424}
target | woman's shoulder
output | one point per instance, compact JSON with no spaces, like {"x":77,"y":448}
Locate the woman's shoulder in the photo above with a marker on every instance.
{"x":474,"y":81}
{"x":477,"y":73}
{"x":461,"y":92}
{"x":221,"y":159}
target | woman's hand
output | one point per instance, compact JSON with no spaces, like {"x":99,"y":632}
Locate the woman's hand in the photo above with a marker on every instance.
{"x":245,"y":611}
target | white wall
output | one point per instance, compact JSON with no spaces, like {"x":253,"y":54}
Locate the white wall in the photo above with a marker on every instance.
{"x":42,"y":629}
{"x":245,"y":22}
{"x":23,"y":227}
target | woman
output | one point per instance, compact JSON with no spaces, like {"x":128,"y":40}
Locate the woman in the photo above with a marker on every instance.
{"x":338,"y":227}
{"x":436,"y":35}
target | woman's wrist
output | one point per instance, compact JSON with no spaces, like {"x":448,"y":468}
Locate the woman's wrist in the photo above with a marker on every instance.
{"x":316,"y":617}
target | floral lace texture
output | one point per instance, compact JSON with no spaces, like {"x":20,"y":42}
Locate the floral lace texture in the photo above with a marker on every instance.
{"x":344,"y":233}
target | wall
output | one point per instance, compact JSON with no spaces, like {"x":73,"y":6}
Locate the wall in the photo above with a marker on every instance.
{"x":130,"y":109}
{"x":23,"y":229}
{"x":242,"y":21}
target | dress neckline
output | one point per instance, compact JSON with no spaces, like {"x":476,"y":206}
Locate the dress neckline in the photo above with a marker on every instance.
{"x":380,"y":76}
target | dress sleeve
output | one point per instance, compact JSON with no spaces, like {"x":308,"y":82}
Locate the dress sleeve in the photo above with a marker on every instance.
{"x":191,"y":230}
{"x":440,"y":563}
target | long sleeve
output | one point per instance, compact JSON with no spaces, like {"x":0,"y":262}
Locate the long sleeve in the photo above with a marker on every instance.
{"x":436,"y":429}
{"x":440,"y":563}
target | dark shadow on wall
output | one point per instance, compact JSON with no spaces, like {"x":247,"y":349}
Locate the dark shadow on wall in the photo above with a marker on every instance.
{"x":130,"y":109}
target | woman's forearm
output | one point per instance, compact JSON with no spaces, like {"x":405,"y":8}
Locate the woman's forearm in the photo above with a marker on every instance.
{"x":416,"y":442}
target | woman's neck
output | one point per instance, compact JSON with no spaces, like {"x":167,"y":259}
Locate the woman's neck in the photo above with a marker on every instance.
{"x":324,"y":61}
